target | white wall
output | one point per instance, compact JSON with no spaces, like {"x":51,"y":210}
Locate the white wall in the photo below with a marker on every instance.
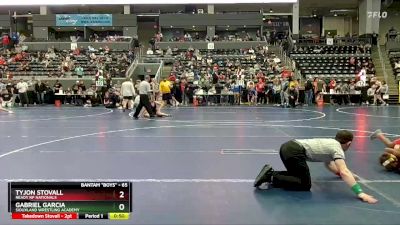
{"x":342,"y":24}
{"x":362,"y":18}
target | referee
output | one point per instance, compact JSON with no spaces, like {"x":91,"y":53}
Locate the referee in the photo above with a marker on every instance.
{"x":144,"y":90}
{"x":295,"y":154}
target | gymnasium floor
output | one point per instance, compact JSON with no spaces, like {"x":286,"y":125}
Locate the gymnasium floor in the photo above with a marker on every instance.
{"x":198,"y":166}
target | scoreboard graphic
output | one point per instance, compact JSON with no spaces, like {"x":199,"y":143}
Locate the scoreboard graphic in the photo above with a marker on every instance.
{"x":69,"y":200}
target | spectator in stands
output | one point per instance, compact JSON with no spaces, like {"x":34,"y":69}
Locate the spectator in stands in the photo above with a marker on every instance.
{"x":292,"y":96}
{"x":168,"y":51}
{"x":22,"y":87}
{"x":32,"y":96}
{"x":82,"y":86}
{"x":332,"y":85}
{"x":91,"y":49}
{"x":308,"y":92}
{"x":6,"y":99}
{"x":149,"y":51}
{"x":40,"y":90}
{"x":260,"y":88}
{"x":371,"y":94}
{"x":362,"y":75}
{"x":284,"y":92}
{"x":110,"y":99}
{"x":385,"y":91}
{"x":319,"y":88}
{"x":378,"y":93}
{"x":79,"y":71}
{"x":24,"y":66}
{"x":57,"y":87}
{"x":251,"y":93}
{"x":155,"y":87}
{"x":6,"y":41}
{"x":236,"y":89}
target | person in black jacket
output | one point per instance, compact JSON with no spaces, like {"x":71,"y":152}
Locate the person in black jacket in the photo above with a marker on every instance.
{"x":292,"y":96}
{"x":308,"y":92}
{"x":40,"y":89}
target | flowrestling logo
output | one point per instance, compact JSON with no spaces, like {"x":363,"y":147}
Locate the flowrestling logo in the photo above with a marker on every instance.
{"x":377,"y":15}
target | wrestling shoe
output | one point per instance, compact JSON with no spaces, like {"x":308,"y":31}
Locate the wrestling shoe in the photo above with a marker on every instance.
{"x":264,"y":175}
{"x":375,"y":134}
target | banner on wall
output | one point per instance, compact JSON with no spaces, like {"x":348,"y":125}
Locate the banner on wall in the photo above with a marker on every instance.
{"x":82,"y":20}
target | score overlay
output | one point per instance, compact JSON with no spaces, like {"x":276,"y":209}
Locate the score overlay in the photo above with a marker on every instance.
{"x":69,"y":200}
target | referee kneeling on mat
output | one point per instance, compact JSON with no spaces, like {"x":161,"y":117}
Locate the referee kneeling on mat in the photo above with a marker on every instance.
{"x":294,"y":155}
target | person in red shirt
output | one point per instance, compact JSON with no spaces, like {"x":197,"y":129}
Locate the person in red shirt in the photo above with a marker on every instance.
{"x":216,"y":67}
{"x":260,"y":88}
{"x":18,"y":57}
{"x":390,"y":159}
{"x":260,"y":75}
{"x":6,"y":41}
{"x":3,"y":62}
{"x":286,"y":73}
{"x":221,"y":77}
{"x":172,"y":77}
{"x":332,"y":84}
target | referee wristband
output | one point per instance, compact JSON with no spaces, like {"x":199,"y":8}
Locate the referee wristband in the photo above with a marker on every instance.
{"x":357,"y":189}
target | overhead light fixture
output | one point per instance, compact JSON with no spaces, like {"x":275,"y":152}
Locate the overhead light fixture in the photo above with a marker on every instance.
{"x":194,"y":26}
{"x":29,"y":13}
{"x":314,"y":13}
{"x":171,"y":26}
{"x":271,"y":11}
{"x":244,"y":26}
{"x":335,"y":14}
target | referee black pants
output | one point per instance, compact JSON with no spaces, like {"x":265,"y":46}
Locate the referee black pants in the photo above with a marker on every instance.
{"x":297,"y":177}
{"x":144,"y":101}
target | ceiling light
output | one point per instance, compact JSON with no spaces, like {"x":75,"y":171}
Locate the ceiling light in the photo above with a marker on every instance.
{"x":335,"y":14}
{"x":271,"y":11}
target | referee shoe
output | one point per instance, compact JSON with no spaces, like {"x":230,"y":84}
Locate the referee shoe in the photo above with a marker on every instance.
{"x":264,"y":175}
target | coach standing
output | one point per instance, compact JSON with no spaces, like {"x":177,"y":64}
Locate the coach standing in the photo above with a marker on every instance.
{"x":144,"y":90}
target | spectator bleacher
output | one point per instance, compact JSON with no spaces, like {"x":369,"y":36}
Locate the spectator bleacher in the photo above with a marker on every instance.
{"x":63,"y":63}
{"x":333,"y":61}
